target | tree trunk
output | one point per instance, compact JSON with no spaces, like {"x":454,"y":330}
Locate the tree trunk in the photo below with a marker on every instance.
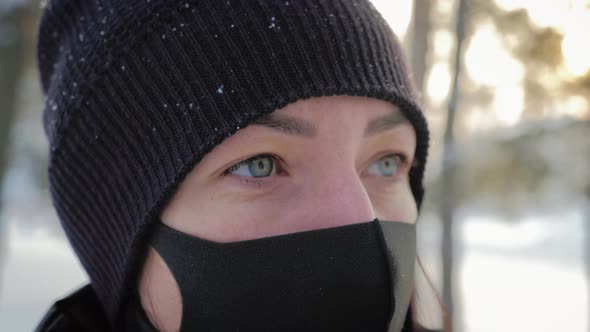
{"x":448,"y":198}
{"x":587,"y":243}
{"x":12,"y":49}
{"x":419,"y":42}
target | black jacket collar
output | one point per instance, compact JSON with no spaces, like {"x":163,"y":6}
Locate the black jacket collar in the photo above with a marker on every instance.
{"x":79,"y":311}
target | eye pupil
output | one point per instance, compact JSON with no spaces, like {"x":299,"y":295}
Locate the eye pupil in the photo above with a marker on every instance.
{"x":388,"y":166}
{"x":261,"y":166}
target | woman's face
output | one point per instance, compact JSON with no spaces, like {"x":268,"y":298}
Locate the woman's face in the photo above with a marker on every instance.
{"x":317,"y":163}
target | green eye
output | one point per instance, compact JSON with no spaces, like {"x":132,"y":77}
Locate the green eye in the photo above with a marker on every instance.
{"x":257,"y":167}
{"x":386,"y":166}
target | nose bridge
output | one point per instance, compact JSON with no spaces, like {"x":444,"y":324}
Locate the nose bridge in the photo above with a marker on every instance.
{"x":340,"y":197}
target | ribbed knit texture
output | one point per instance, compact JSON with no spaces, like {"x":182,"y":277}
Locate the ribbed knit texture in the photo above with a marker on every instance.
{"x":137,"y":91}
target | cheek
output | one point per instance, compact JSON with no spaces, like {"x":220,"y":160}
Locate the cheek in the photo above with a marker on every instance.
{"x":221,"y":214}
{"x":159,"y":293}
{"x":396,"y":204}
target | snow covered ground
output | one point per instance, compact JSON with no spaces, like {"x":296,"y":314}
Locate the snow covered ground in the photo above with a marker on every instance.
{"x":38,"y":269}
{"x":524,"y":275}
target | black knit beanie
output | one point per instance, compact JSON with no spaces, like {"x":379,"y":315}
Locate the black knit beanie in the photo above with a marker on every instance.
{"x":138,"y":91}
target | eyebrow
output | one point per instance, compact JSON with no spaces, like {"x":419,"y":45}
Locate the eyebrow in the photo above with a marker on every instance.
{"x":299,"y":127}
{"x":385,"y":122}
{"x":288,"y":125}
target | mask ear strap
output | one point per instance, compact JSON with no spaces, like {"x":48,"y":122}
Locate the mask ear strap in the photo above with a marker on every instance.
{"x":161,"y":236}
{"x":174,"y":247}
{"x":400,"y":244}
{"x":391,"y":268}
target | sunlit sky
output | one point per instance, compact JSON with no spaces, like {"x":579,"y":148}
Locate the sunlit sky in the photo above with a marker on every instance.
{"x":397,"y":13}
{"x":489,"y":63}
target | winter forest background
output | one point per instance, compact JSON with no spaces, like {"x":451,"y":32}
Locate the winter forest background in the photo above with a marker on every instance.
{"x":505,"y":230}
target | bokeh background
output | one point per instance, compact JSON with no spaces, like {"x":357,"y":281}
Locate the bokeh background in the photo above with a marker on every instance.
{"x":504,"y":234}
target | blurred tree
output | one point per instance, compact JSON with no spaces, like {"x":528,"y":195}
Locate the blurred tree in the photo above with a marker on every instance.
{"x":15,"y":19}
{"x":547,"y":89}
{"x":448,"y":199}
{"x":418,"y":35}
{"x":547,"y":85}
{"x":12,"y":47}
{"x":586,"y":248}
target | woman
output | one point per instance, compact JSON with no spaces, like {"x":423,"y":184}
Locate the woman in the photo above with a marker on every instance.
{"x":232,"y":165}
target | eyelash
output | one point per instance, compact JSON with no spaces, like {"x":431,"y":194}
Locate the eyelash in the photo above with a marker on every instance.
{"x":403,"y":163}
{"x":403,"y":159}
{"x":253,"y":181}
{"x":276,"y":159}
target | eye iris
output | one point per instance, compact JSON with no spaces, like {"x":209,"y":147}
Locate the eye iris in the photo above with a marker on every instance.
{"x":260,"y":166}
{"x":388,"y":166}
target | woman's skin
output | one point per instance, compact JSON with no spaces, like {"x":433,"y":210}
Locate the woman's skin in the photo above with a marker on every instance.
{"x":326,"y":172}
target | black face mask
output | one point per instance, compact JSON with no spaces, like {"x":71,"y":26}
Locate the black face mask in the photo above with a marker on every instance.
{"x":349,"y":278}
